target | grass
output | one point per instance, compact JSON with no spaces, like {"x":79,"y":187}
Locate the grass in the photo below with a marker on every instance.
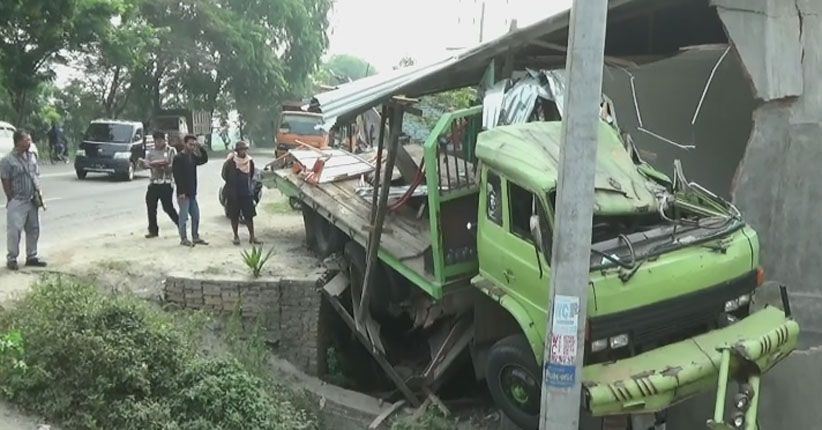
{"x":279,"y":207}
{"x":114,"y":265}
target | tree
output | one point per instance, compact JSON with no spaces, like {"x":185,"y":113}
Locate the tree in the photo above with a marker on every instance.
{"x":34,"y":32}
{"x":343,"y":68}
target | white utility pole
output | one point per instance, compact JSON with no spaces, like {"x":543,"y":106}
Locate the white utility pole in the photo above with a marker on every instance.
{"x":570,"y":262}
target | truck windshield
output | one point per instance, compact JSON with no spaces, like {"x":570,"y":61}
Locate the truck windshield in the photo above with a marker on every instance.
{"x":114,"y":133}
{"x":167,"y":123}
{"x":302,"y":125}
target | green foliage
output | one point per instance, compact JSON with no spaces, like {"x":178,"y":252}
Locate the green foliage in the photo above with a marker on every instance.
{"x":34,"y":32}
{"x":343,"y":68}
{"x":101,"y":362}
{"x":436,"y":105}
{"x":432,"y":419}
{"x":255,"y":259}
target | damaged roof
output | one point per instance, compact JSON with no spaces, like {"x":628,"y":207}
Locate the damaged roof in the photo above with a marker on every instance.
{"x":532,"y":161}
{"x":639,"y":31}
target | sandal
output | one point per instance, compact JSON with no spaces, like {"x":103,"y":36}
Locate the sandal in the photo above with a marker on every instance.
{"x":255,"y":242}
{"x":236,"y":241}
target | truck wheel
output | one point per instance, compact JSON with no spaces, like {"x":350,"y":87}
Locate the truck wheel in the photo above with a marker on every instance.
{"x":308,"y":223}
{"x":513,"y":379}
{"x":328,"y":238}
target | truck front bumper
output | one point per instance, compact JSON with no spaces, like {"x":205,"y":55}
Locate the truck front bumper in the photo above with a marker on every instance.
{"x":657,"y":379}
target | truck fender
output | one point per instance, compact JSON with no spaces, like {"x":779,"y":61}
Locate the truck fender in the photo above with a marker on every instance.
{"x":525,"y":323}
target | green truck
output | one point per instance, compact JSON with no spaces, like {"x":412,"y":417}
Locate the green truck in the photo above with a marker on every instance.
{"x":673,"y":274}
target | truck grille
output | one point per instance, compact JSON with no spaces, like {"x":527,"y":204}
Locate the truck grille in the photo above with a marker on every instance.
{"x":667,"y":322}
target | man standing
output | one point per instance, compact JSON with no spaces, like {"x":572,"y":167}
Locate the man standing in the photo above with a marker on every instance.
{"x":185,"y":175}
{"x":159,"y":160}
{"x":19,"y":173}
{"x":238,"y":174}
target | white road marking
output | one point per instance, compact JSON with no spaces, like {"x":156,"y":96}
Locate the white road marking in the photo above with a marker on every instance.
{"x":53,"y":199}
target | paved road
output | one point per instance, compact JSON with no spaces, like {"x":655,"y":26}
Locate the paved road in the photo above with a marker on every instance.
{"x":78,"y":210}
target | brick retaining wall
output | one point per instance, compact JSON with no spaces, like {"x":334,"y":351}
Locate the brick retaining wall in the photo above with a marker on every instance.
{"x":289,"y":310}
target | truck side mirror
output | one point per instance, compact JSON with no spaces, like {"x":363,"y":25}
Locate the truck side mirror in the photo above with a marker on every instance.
{"x":536,"y":231}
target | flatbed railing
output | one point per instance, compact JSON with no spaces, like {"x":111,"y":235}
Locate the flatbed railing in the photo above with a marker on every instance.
{"x":450,"y":173}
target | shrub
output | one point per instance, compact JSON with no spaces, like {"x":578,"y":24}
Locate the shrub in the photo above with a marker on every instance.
{"x":255,"y":259}
{"x":432,"y":419}
{"x":95,"y":361}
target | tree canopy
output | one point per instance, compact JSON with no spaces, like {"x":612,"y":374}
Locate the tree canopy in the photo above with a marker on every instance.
{"x":140,"y":56}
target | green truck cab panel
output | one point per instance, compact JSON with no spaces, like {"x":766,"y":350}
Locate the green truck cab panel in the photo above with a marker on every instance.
{"x":655,"y":380}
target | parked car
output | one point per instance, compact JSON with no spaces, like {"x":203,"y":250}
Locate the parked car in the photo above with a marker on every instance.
{"x":112,"y":147}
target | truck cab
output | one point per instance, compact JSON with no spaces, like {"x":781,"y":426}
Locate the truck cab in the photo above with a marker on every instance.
{"x":672,"y":268}
{"x":304,"y":127}
{"x":111,"y":147}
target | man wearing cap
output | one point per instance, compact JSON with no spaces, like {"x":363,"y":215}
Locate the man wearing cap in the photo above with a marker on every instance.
{"x":159,"y":159}
{"x":238,"y":174}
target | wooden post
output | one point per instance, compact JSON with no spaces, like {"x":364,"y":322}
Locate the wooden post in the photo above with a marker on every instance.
{"x":565,"y":332}
{"x":371,"y":261}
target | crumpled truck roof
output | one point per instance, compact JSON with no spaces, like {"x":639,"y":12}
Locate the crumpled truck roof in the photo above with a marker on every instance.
{"x":529,"y":155}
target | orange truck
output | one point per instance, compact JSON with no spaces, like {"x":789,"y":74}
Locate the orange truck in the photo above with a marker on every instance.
{"x":296,"y":127}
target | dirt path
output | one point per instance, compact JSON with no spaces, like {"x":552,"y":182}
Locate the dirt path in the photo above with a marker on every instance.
{"x":12,"y":419}
{"x":126,"y":261}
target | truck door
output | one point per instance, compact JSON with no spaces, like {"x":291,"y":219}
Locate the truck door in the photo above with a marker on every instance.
{"x":524,"y":268}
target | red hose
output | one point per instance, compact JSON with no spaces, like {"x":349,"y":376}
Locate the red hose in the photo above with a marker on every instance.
{"x":410,"y":192}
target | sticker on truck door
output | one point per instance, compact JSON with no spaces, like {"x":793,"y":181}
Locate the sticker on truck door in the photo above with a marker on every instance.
{"x":561,"y":367}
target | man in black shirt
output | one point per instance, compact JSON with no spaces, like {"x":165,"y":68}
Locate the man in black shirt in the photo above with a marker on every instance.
{"x":185,"y":176}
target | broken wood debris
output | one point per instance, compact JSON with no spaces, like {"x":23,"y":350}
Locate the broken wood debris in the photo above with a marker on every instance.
{"x":329,"y":165}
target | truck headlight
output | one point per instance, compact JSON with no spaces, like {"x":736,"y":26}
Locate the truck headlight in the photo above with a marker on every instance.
{"x":122,"y":155}
{"x":599,"y":345}
{"x":732,"y":305}
{"x":620,"y":341}
{"x":80,"y":153}
{"x":614,"y":342}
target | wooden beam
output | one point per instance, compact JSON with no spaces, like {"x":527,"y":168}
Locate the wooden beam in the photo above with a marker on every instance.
{"x":375,"y":236}
{"x":385,"y":414}
{"x":378,"y":356}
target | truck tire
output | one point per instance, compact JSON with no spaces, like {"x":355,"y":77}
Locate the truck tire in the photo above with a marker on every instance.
{"x":513,"y":378}
{"x":308,"y":224}
{"x":327,"y":237}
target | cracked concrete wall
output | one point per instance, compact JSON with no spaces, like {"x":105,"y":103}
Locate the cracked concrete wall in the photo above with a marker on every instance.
{"x":668,"y":93}
{"x":778,"y":186}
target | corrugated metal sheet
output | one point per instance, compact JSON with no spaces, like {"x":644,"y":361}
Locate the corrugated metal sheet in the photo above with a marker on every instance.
{"x":467,"y":67}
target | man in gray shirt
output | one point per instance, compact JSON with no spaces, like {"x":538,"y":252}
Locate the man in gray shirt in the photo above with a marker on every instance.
{"x":161,"y":187}
{"x":19,"y":173}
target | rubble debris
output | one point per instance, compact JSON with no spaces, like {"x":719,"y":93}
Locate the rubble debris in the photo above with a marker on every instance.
{"x":329,"y":165}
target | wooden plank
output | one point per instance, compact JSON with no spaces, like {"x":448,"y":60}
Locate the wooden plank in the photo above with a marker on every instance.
{"x":384,"y":415}
{"x":337,"y":285}
{"x":380,"y":358}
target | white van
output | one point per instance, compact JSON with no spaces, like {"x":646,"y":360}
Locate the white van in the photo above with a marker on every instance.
{"x":6,"y":140}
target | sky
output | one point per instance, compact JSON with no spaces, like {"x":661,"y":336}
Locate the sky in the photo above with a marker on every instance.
{"x":384,"y":31}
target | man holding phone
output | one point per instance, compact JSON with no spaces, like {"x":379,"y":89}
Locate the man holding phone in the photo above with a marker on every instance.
{"x":184,"y":168}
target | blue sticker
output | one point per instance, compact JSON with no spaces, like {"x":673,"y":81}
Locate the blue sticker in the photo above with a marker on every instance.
{"x":560,"y":375}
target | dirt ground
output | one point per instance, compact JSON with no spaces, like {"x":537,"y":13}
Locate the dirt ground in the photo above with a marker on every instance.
{"x":125,"y":260}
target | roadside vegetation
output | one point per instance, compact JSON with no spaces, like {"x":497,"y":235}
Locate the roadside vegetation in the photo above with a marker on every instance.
{"x":85,"y":359}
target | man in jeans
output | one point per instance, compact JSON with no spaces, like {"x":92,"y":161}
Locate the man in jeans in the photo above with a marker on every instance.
{"x":161,"y":188}
{"x":19,"y":173}
{"x":185,"y":176}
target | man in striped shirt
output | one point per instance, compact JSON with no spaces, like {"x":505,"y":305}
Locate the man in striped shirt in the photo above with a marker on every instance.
{"x":161,"y":187}
{"x":19,"y":173}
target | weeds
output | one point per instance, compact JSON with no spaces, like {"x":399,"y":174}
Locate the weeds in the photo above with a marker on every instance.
{"x":432,"y":419}
{"x":97,"y":361}
{"x":255,"y":260}
{"x":278,"y":208}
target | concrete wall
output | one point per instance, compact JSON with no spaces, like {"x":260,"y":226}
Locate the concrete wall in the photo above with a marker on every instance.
{"x":288,"y":309}
{"x":778,"y":187}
